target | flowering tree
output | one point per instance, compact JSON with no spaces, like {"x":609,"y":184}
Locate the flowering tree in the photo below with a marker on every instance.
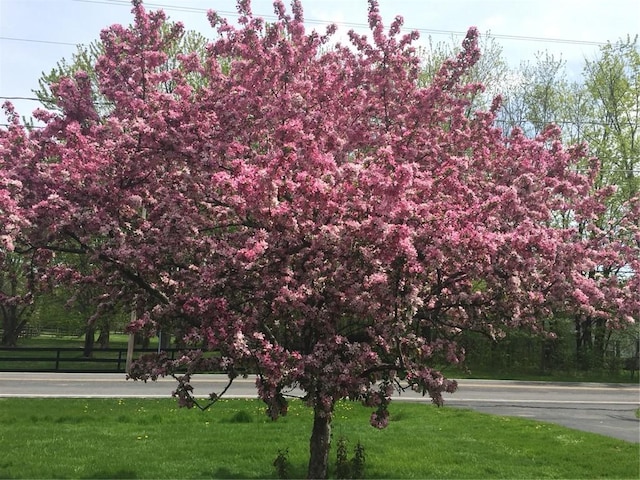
{"x":13,"y":146}
{"x":15,"y":295}
{"x":310,"y":213}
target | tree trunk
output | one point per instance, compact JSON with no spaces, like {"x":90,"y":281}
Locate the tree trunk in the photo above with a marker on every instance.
{"x":12,"y":326}
{"x":599,"y":343}
{"x":9,"y":338}
{"x":164,"y":341}
{"x":103,"y":338}
{"x":320,"y":444}
{"x":89,"y":340}
{"x":584,"y":343}
{"x":141,"y":340}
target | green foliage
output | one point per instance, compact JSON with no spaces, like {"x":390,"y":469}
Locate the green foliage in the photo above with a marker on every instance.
{"x":343,"y":468}
{"x":241,"y":417}
{"x":349,"y":468}
{"x":491,"y":69}
{"x":16,"y":300}
{"x":85,"y":58}
{"x":54,"y":314}
{"x":527,"y":356}
{"x":358,"y":461}
{"x":612,"y":83}
{"x":81,"y":61}
{"x":281,"y":463}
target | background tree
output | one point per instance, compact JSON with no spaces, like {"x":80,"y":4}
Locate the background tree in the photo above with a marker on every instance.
{"x":314,"y":215}
{"x":16,"y":274}
{"x":612,"y":90}
{"x":16,"y":303}
{"x":601,"y":110}
{"x":537,"y":96}
{"x":85,"y":58}
{"x":491,"y":70}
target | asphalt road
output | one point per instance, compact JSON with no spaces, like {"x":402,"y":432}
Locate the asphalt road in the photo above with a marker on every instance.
{"x":606,"y":409}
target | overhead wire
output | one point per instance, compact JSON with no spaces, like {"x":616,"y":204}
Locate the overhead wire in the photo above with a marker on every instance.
{"x":349,"y":24}
{"x":188,"y":9}
{"x":554,"y":122}
{"x":311,"y":21}
{"x":35,"y":40}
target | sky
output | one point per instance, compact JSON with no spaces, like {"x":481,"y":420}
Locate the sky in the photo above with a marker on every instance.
{"x":35,"y":34}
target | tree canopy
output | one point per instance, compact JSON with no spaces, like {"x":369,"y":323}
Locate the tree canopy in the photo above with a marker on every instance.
{"x":312,"y":213}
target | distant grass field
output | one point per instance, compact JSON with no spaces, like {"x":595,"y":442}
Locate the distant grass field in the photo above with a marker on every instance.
{"x":116,"y":340}
{"x":135,"y":438}
{"x":119,"y":341}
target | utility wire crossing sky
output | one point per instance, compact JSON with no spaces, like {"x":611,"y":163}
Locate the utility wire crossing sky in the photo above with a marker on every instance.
{"x":35,"y":34}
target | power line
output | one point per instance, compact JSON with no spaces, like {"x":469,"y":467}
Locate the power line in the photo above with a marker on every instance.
{"x":429,"y":31}
{"x":32,"y":99}
{"x":34,"y":40}
{"x":352,"y":24}
{"x":498,"y":120}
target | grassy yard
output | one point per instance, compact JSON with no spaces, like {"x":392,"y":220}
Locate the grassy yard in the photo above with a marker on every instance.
{"x":76,"y":438}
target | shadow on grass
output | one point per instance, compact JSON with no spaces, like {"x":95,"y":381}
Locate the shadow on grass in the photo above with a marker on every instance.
{"x":295,"y":471}
{"x":114,"y":474}
{"x":239,"y":417}
{"x":223,"y":473}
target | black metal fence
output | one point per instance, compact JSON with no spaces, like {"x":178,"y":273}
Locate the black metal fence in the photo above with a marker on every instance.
{"x":71,"y":360}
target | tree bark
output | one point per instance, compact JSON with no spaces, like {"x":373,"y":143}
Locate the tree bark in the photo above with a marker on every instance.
{"x":103,"y":338}
{"x":320,"y":444}
{"x":584,"y":343}
{"x":599,"y":343}
{"x":12,"y":325}
{"x":165,"y":341}
{"x":89,"y":340}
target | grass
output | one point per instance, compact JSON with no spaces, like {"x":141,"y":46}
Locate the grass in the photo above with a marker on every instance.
{"x":116,"y":340}
{"x":137,"y":438}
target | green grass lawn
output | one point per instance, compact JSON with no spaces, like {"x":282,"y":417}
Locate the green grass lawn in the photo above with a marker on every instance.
{"x":78,"y":438}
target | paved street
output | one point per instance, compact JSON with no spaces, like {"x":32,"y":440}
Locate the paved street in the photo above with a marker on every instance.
{"x":607,"y":409}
